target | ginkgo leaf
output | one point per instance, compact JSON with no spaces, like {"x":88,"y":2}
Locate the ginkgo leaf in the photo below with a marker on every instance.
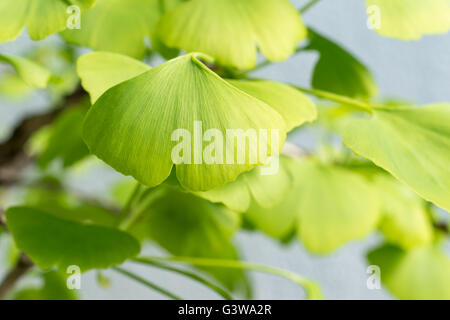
{"x":186,"y":225}
{"x":30,"y":72}
{"x":117,"y":26}
{"x":295,"y":107}
{"x":418,"y":274}
{"x":41,"y":17}
{"x":338,"y":71}
{"x":230,"y":30}
{"x":265,"y":190}
{"x":335,"y":206}
{"x":100,"y":71}
{"x":135,"y":125}
{"x":413,"y":144}
{"x":51,"y":241}
{"x":404,"y":221}
{"x":409,"y":19}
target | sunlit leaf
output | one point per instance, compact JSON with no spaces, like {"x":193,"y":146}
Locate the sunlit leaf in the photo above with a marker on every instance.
{"x":338,"y":71}
{"x":409,"y":19}
{"x":32,"y":73}
{"x":41,"y":17}
{"x":295,"y":107}
{"x":100,"y":71}
{"x":418,"y":274}
{"x":51,"y":241}
{"x":335,"y":206}
{"x":131,"y":126}
{"x":54,"y":287}
{"x":230,"y":30}
{"x":404,"y":221}
{"x":413,"y":144}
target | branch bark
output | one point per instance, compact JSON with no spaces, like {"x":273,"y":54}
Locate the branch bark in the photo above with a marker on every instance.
{"x":13,"y":157}
{"x":23,"y":265}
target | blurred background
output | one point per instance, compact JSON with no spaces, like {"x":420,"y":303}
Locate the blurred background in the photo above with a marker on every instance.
{"x":412,"y":71}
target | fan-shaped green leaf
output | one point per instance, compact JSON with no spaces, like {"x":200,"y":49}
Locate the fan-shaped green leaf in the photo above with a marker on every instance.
{"x":409,"y":19}
{"x":41,"y":17}
{"x":50,"y":241}
{"x":100,"y":71}
{"x":413,"y":144}
{"x":335,"y":205}
{"x":294,"y":106}
{"x":338,"y":71}
{"x":131,"y":126}
{"x":418,"y":274}
{"x":404,"y":222}
{"x":32,"y":73}
{"x":230,"y":30}
{"x":117,"y":26}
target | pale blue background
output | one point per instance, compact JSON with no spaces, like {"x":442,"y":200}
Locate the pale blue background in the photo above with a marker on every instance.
{"x":417,"y":71}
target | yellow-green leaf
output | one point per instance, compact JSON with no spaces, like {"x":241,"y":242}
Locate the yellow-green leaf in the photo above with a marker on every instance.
{"x":230,"y":30}
{"x":413,"y":144}
{"x":30,"y":72}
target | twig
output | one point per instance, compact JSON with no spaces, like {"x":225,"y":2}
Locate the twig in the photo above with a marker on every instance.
{"x":23,"y":265}
{"x":308,"y":6}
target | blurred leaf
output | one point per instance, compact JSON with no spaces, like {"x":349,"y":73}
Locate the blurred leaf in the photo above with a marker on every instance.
{"x":335,"y":206}
{"x":405,"y":222}
{"x":230,"y":30}
{"x":338,"y":71}
{"x":295,"y":107}
{"x":54,"y":288}
{"x":186,"y":225}
{"x":32,"y":73}
{"x":418,"y":274}
{"x":409,"y":19}
{"x":103,"y":280}
{"x":41,"y":17}
{"x":50,"y":241}
{"x":413,"y":144}
{"x":14,"y":87}
{"x":64,"y":141}
{"x":160,"y":105}
{"x":100,"y":71}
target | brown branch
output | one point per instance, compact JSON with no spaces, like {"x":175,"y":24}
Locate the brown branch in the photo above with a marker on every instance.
{"x":13,"y":157}
{"x":23,"y":265}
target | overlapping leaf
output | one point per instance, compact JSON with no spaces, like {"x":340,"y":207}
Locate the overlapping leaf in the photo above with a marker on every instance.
{"x":404,"y":221}
{"x":30,"y":72}
{"x":51,"y":241}
{"x":409,"y":19}
{"x":131,"y":125}
{"x":413,"y":144}
{"x":418,"y":274}
{"x":41,"y":17}
{"x":230,"y":30}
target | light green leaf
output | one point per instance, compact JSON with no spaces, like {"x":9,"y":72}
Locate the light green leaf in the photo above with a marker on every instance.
{"x":131,"y":126}
{"x":117,"y":26}
{"x":409,"y":19}
{"x":335,"y":206}
{"x":404,"y":222}
{"x":295,"y":107}
{"x":338,"y":71}
{"x":230,"y":30}
{"x":32,"y":73}
{"x":51,"y":241}
{"x":418,"y":274}
{"x":186,"y":225}
{"x":41,"y":17}
{"x":65,"y":140}
{"x":413,"y":144}
{"x":265,"y":190}
{"x":100,"y":71}
{"x":54,"y":288}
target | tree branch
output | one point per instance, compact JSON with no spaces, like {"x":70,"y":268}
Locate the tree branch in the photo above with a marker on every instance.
{"x":23,"y":265}
{"x":13,"y":157}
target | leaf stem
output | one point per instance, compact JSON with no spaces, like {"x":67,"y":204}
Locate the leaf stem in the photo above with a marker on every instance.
{"x":147,"y":283}
{"x":308,"y":6}
{"x":311,"y":288}
{"x":223,"y":293}
{"x":131,"y":199}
